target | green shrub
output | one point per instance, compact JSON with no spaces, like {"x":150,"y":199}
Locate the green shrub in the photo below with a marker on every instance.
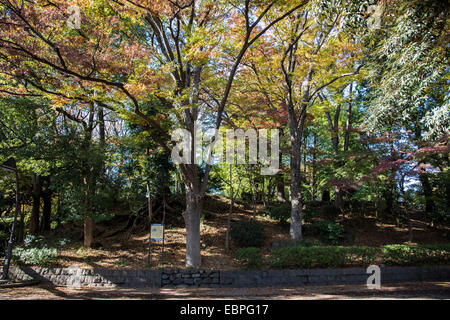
{"x":247,"y":233}
{"x":281,"y":213}
{"x":321,"y":257}
{"x":330,"y":232}
{"x":4,"y":237}
{"x":246,"y":197}
{"x":330,"y":212}
{"x":308,"y":213}
{"x":5,"y":227}
{"x":250,"y":257}
{"x":308,"y":242}
{"x":36,"y":251}
{"x":33,"y":240}
{"x":399,"y":254}
{"x":360,"y":255}
{"x":439,"y":218}
{"x":35,"y":256}
{"x":62,"y":241}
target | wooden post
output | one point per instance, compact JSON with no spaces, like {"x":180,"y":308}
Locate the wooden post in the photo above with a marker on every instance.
{"x":163,"y":221}
{"x":230,"y":212}
{"x":150,"y":213}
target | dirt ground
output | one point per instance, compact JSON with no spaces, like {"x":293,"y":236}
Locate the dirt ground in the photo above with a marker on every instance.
{"x":128,"y":250}
{"x":422,"y":290}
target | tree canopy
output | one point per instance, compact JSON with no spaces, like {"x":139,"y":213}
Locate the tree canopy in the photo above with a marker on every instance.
{"x":91,"y":93}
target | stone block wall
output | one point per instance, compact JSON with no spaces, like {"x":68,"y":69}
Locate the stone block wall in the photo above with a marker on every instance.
{"x":89,"y":277}
{"x":190,"y":278}
{"x":223,"y":278}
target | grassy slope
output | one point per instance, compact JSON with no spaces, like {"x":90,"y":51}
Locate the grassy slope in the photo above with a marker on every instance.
{"x":129,"y":250}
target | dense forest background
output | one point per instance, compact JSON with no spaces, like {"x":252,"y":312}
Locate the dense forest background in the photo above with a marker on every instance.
{"x":358,"y":90}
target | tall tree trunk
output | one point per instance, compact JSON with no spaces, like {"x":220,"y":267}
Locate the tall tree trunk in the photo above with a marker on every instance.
{"x":102,"y":134}
{"x":35,"y":211}
{"x":325,"y":196}
{"x":101,"y":121}
{"x":271,"y":186}
{"x":281,"y":194}
{"x":89,"y":183}
{"x":191,"y":216}
{"x":334,"y":130}
{"x":21,"y":235}
{"x":338,"y":201}
{"x":427,"y":192}
{"x":313,"y":169}
{"x":410,"y":229}
{"x":88,"y":221}
{"x":296,"y":196}
{"x":47,"y":209}
{"x":150,"y":214}
{"x":88,"y":232}
{"x":447,"y":192}
{"x":348,"y":125}
{"x":389,"y":198}
{"x":253,"y":191}
{"x":390,"y":192}
{"x":230,"y":212}
{"x":305,"y":141}
{"x":296,"y":131}
{"x":227,"y":234}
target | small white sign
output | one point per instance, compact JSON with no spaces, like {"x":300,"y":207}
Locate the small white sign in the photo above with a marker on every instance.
{"x":157,"y":232}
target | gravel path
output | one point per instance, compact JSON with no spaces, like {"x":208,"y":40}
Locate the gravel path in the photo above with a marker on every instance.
{"x":421,"y":290}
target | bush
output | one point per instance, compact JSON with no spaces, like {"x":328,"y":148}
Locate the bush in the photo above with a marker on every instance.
{"x":37,"y":251}
{"x":33,"y":240}
{"x":247,"y":233}
{"x":308,"y":213}
{"x":35,"y":256}
{"x":439,"y":218}
{"x":330,"y":232}
{"x":321,"y":257}
{"x":308,"y":243}
{"x":399,"y":254}
{"x":330,"y":212}
{"x":5,"y":227}
{"x":360,"y":255}
{"x":4,"y":237}
{"x":281,"y":213}
{"x":249,"y":257}
{"x":246,"y":197}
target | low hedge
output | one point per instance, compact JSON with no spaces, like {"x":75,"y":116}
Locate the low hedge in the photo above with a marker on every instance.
{"x":301,"y":257}
{"x":247,"y":233}
{"x":281,"y":213}
{"x":321,"y":257}
{"x":330,"y":232}
{"x":34,"y":256}
{"x":402,"y":255}
{"x":250,"y":258}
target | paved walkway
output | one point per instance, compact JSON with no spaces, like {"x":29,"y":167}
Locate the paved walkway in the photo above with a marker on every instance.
{"x":418,"y":290}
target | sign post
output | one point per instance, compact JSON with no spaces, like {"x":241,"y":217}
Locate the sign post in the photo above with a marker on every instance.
{"x":156,"y":235}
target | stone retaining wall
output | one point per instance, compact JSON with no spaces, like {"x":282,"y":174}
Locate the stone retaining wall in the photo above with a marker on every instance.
{"x":89,"y":277}
{"x":330,"y":276}
{"x":190,"y":278}
{"x":223,"y":278}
